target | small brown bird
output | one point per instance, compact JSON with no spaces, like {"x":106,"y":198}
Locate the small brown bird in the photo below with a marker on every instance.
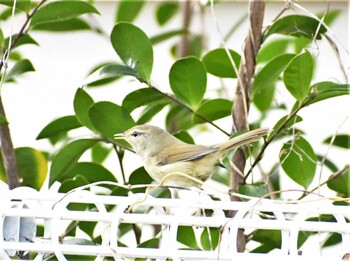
{"x":167,"y":159}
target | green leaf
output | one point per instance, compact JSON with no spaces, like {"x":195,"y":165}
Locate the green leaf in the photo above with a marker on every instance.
{"x":298,"y":75}
{"x":295,"y":119}
{"x":82,"y":103}
{"x":254,"y":190}
{"x":142,"y":97}
{"x":3,"y":120}
{"x":218,"y":63}
{"x":178,"y":118}
{"x":151,"y":243}
{"x":24,"y":39}
{"x":74,"y":24}
{"x":139,"y":176}
{"x":213,"y":110}
{"x":272,"y":49}
{"x":32,"y":167}
{"x":184,"y":136}
{"x":128,"y":10}
{"x":62,"y":10}
{"x":269,"y":74}
{"x":68,"y":156}
{"x":110,"y":72}
{"x":19,"y":68}
{"x":186,"y":236}
{"x":329,"y":16}
{"x":59,"y":126}
{"x":332,"y":239}
{"x":134,"y":49}
{"x":100,"y":152}
{"x":340,"y":140}
{"x":297,"y":25}
{"x":298,"y":160}
{"x":341,"y":183}
{"x":188,"y":80}
{"x":167,"y":35}
{"x":23,"y":5}
{"x":325,"y":90}
{"x":210,"y":238}
{"x":68,"y":184}
{"x":117,"y":117}
{"x":268,"y":237}
{"x":150,"y":111}
{"x":327,"y":162}
{"x":165,"y":11}
{"x":263,"y":99}
{"x":91,"y":171}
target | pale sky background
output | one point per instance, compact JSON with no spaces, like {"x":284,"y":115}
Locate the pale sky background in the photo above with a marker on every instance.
{"x":62,"y":62}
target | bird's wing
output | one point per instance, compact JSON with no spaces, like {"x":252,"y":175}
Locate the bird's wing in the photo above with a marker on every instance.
{"x":185,"y":152}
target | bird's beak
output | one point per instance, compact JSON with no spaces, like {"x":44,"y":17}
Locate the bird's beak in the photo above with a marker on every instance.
{"x":120,"y":136}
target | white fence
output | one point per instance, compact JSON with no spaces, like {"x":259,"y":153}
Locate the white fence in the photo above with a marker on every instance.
{"x":50,"y":209}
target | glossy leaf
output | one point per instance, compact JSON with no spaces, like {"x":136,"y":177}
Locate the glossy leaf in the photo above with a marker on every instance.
{"x":332,"y":239}
{"x":59,"y":126}
{"x":68,"y":156}
{"x":327,"y":162}
{"x":110,"y":72}
{"x":134,"y":49}
{"x":263,"y":99}
{"x":186,"y":236}
{"x":142,"y":97}
{"x":269,"y":74}
{"x":184,"y":136}
{"x":117,"y":117}
{"x":325,"y":90}
{"x":165,"y":11}
{"x":92,"y":172}
{"x":214,"y":109}
{"x":290,"y":123}
{"x":272,"y":49}
{"x":329,"y":16}
{"x":298,"y":160}
{"x":210,"y":238}
{"x":150,"y":111}
{"x":297,"y":25}
{"x":140,"y":176}
{"x":18,"y":69}
{"x":82,"y":103}
{"x":298,"y":75}
{"x":188,"y":80}
{"x":62,"y":10}
{"x":128,"y":10}
{"x":340,"y":140}
{"x":167,"y":35}
{"x":254,"y":190}
{"x":23,"y":5}
{"x":24,"y":39}
{"x":218,"y":63}
{"x":32,"y":167}
{"x":178,"y":118}
{"x":100,"y":152}
{"x":68,"y":184}
{"x":271,"y":238}
{"x":74,"y":24}
{"x":151,"y":243}
{"x":341,"y":183}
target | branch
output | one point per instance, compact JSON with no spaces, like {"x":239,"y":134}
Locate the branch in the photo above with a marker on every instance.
{"x":242,"y":100}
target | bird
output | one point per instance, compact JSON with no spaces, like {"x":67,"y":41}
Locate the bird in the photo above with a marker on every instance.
{"x":171,"y":161}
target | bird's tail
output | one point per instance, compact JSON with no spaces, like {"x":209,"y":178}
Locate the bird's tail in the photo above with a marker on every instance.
{"x":243,"y":139}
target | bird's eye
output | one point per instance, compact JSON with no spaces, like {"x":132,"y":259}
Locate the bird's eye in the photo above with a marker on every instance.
{"x":136,"y":134}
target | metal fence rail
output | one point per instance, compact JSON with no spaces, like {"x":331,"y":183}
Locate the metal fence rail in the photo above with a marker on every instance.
{"x":50,"y":209}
